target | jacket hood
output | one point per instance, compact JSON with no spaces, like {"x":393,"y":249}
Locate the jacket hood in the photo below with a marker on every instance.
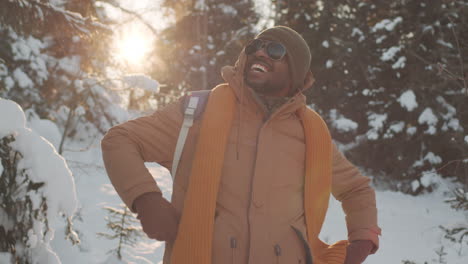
{"x":234,"y":76}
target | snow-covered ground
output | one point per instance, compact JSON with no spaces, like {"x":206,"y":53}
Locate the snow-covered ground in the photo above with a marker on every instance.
{"x":410,"y":225}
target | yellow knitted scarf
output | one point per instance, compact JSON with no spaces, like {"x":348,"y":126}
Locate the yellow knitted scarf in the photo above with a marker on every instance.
{"x":194,"y":241}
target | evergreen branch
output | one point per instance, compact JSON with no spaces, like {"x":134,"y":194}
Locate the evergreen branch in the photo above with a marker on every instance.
{"x":462,"y":65}
{"x":70,"y":233}
{"x":37,"y":16}
{"x":440,"y":68}
{"x":132,"y":13}
{"x":459,"y":201}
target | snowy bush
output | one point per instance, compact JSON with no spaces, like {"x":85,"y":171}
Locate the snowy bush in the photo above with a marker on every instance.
{"x":36,"y":187}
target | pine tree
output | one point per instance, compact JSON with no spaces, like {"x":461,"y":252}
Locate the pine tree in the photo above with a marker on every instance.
{"x":121,"y":223}
{"x":391,"y":83}
{"x":55,"y":63}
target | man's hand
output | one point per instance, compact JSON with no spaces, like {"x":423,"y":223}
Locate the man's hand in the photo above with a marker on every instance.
{"x":358,"y":251}
{"x":158,"y":217}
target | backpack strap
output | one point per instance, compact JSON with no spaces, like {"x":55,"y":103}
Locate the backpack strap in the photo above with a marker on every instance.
{"x":193,"y":107}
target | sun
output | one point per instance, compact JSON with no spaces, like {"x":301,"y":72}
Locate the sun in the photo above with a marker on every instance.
{"x":132,"y":47}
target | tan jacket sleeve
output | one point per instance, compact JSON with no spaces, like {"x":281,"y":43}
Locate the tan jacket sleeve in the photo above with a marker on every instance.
{"x":352,"y":189}
{"x":127,"y":146}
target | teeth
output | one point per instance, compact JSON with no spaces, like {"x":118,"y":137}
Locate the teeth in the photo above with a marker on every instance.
{"x":259,"y":67}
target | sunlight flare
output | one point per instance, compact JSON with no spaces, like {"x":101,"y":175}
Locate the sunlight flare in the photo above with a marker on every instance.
{"x":132,"y":46}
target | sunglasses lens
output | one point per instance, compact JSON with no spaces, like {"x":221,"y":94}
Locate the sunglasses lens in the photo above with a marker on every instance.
{"x":275,"y":50}
{"x":253,"y":46}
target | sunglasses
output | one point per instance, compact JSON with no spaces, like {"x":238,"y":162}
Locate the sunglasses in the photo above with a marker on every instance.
{"x":274,"y":50}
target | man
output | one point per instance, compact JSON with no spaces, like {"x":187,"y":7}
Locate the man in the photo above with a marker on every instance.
{"x":256,"y":170}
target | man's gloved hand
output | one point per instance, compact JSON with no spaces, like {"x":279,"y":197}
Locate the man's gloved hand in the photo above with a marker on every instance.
{"x":357,"y":251}
{"x":158,"y":217}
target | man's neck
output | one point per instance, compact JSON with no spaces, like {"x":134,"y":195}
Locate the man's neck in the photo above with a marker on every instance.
{"x":268,"y":102}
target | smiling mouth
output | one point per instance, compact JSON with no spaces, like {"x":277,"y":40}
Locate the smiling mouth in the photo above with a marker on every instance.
{"x":258,"y":68}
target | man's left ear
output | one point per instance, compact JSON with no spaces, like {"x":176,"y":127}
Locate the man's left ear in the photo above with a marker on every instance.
{"x":308,"y":81}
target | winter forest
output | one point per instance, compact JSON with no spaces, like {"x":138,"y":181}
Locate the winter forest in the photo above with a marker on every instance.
{"x":391,"y":83}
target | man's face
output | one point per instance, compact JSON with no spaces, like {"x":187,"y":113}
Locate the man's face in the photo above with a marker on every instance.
{"x":267,"y":76}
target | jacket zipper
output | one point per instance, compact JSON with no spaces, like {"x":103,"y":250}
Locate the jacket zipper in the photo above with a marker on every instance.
{"x":233,"y":250}
{"x":268,"y":117}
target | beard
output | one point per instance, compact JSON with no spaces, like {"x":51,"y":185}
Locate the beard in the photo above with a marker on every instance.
{"x":262,"y":87}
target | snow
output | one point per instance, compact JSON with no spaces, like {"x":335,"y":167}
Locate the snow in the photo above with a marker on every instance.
{"x":432,"y":158}
{"x":227,"y":9}
{"x":46,"y":129}
{"x":142,"y":81}
{"x":342,"y":123}
{"x":466,"y":139}
{"x":390,"y":53}
{"x":22,"y":78}
{"x":450,"y":121}
{"x":357,"y":31}
{"x":408,"y":100}
{"x":380,"y":39}
{"x":325,"y":44}
{"x":411,"y":130}
{"x":410,"y":227}
{"x":398,"y":127}
{"x":41,"y":163}
{"x":454,"y":124}
{"x":394,"y":128}
{"x":428,"y":28}
{"x":13,"y":120}
{"x":445,"y":44}
{"x":428,"y":178}
{"x":6,"y":257}
{"x":345,"y":125}
{"x":415,"y":185}
{"x":70,"y":64}
{"x":428,"y":117}
{"x":329,"y":64}
{"x":26,"y":49}
{"x":400,"y":63}
{"x":43,"y":166}
{"x":387,"y":24}
{"x":40,"y":160}
{"x":376,"y":122}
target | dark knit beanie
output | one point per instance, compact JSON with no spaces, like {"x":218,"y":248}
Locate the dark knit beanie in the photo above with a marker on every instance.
{"x":297,"y":49}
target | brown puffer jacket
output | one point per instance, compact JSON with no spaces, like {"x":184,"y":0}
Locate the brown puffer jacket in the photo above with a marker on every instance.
{"x":261,"y":191}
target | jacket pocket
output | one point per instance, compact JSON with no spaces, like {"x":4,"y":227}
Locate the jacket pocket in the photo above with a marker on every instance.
{"x":289,"y":248}
{"x":225,"y":244}
{"x":305,"y":244}
{"x":299,"y":232}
